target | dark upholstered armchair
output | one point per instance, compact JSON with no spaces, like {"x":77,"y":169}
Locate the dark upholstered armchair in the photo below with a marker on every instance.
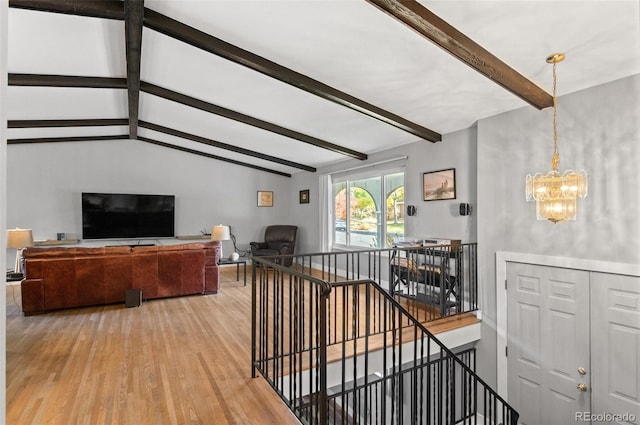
{"x":278,"y":240}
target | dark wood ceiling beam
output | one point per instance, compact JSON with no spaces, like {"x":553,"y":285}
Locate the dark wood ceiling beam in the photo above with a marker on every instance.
{"x":107,"y":9}
{"x":208,"y":155}
{"x":133,"y":17}
{"x":101,"y":122}
{"x":66,"y":139}
{"x":429,"y":25}
{"x":43,"y":80}
{"x":175,"y":29}
{"x":110,"y":122}
{"x":221,"y":145}
{"x":115,"y":9}
{"x":247,"y":119}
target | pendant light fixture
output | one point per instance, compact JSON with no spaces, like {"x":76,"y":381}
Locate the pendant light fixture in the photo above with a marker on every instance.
{"x":556,"y":194}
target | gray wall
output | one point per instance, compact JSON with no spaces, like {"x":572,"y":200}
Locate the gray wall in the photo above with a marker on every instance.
{"x":436,"y":219}
{"x":45,"y":182}
{"x":4,"y":7}
{"x":599,"y":131}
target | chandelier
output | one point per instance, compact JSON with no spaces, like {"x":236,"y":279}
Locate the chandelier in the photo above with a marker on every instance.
{"x":556,"y":194}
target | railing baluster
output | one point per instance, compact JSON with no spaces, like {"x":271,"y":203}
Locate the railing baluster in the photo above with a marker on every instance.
{"x":322,"y":350}
{"x":385,"y":366}
{"x":367,"y":314}
{"x":254,"y":324}
{"x":293,"y":317}
{"x":297,"y":316}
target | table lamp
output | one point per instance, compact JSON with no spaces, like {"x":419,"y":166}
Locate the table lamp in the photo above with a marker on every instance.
{"x":220,"y":233}
{"x":19,"y":239}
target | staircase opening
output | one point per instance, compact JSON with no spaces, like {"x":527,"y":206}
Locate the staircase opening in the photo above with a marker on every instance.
{"x":341,"y":344}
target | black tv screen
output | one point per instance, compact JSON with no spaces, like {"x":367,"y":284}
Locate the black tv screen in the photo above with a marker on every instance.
{"x":127,"y":216}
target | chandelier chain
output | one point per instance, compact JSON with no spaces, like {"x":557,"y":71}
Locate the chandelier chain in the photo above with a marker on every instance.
{"x":555,"y":159}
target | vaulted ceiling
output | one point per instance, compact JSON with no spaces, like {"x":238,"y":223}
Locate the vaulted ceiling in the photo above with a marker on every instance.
{"x":288,"y":86}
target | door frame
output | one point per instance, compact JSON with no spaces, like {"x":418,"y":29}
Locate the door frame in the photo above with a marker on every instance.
{"x":502,"y":258}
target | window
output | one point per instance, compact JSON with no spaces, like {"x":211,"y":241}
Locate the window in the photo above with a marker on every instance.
{"x":368,"y":210}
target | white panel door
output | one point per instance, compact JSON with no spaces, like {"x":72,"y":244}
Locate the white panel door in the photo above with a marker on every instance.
{"x":615,"y":332}
{"x":548,"y":343}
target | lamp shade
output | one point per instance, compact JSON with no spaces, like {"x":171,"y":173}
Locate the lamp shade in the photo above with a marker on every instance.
{"x":19,"y":238}
{"x":220,"y":233}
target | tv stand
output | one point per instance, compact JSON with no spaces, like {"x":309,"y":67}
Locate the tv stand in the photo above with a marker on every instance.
{"x":52,"y":242}
{"x":132,"y":245}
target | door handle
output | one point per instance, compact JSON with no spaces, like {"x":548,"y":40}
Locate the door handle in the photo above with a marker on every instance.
{"x":582,"y":387}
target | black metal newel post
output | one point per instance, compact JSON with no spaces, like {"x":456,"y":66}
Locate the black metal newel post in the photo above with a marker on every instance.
{"x":253,"y":321}
{"x":323,"y":403}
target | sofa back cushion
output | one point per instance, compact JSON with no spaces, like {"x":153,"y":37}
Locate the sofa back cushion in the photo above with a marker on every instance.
{"x":62,"y":252}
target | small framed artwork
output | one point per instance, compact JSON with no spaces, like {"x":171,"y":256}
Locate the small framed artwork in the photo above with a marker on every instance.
{"x":439,"y":185}
{"x":304,"y":196}
{"x":265,"y":198}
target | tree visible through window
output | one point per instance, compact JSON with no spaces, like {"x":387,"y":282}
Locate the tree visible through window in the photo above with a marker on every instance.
{"x":395,"y":214}
{"x":373,"y":213}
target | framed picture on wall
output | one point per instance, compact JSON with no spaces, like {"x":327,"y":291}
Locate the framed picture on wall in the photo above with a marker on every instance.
{"x":265,"y":198}
{"x":439,"y":185}
{"x":304,"y":196}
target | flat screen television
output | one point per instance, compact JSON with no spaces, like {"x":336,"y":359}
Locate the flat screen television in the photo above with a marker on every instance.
{"x":127,"y":216}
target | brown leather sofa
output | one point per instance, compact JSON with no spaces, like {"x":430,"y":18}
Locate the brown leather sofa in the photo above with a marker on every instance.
{"x":57,"y":278}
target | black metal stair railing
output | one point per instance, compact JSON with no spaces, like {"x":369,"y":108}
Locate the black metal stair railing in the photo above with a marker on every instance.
{"x":444,"y":277}
{"x":342,"y":350}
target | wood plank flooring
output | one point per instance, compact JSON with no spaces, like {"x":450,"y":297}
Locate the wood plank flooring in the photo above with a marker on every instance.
{"x":174,"y":361}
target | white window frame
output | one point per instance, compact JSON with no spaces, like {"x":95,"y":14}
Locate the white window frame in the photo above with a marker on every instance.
{"x":359,"y":175}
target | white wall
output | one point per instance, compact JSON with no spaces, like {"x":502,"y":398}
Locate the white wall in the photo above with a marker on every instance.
{"x":599,"y":131}
{"x":436,"y":219}
{"x":45,"y":182}
{"x":4,"y":7}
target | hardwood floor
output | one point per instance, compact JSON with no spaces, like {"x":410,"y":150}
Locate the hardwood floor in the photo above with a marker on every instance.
{"x":174,"y":361}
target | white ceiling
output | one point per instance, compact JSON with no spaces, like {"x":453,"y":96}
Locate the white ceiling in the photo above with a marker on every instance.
{"x":347,"y":44}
